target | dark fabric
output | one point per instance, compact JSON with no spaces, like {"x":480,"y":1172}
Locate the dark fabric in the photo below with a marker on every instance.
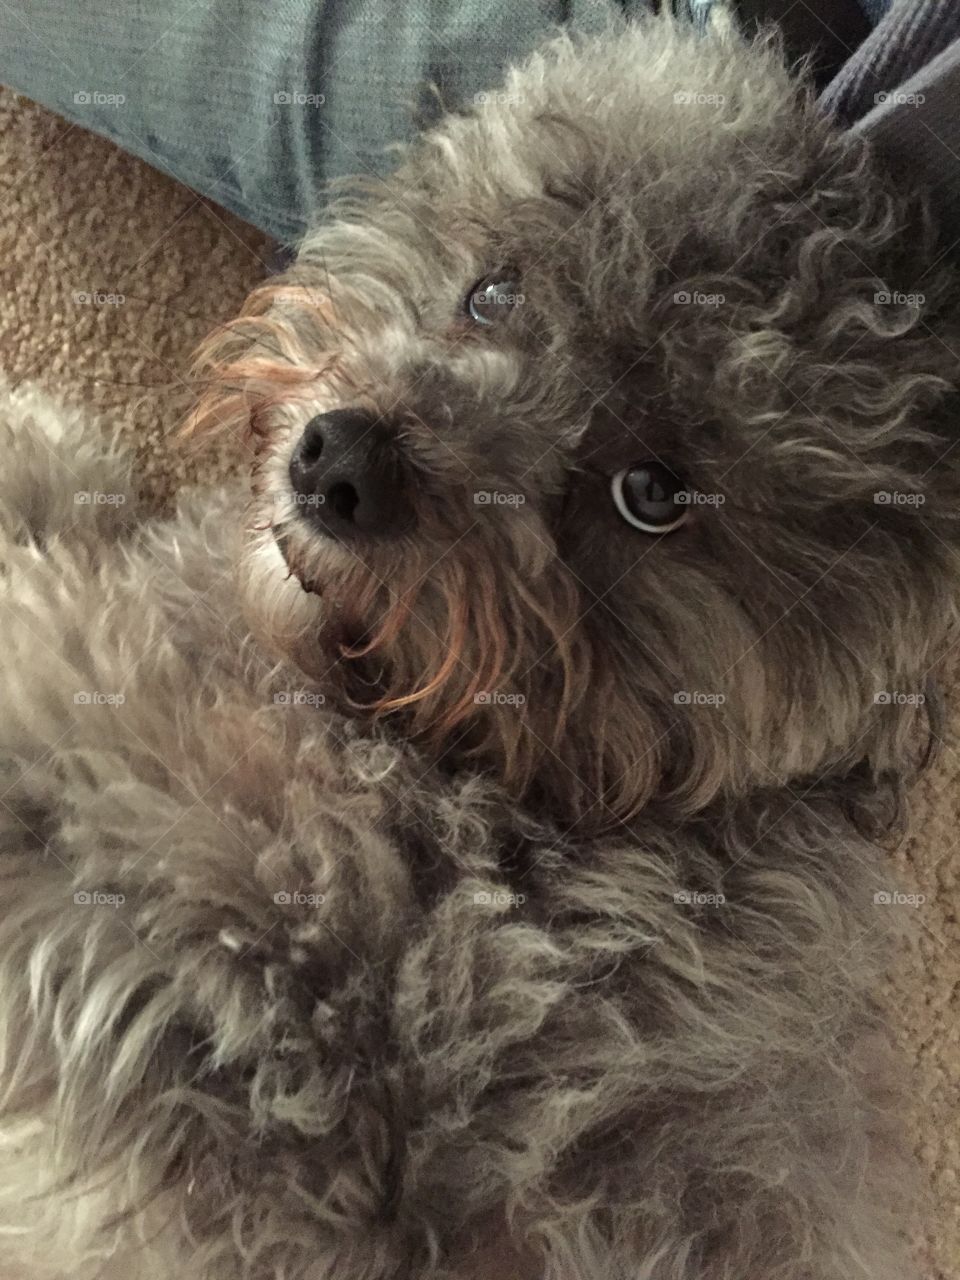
{"x":828,"y":32}
{"x":907,"y":38}
{"x":902,"y":88}
{"x":917,"y":128}
{"x":874,"y":10}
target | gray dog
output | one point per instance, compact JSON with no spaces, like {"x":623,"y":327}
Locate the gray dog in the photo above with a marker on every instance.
{"x":482,"y":879}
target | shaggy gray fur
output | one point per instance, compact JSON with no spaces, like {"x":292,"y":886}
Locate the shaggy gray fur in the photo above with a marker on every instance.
{"x":577,"y":987}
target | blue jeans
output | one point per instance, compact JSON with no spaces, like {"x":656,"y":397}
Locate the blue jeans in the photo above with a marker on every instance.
{"x":258,"y":103}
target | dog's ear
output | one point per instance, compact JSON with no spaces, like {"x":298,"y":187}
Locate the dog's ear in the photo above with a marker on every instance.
{"x":271,"y":352}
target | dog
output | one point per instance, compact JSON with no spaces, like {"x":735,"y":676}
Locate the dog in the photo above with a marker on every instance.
{"x":462,"y":856}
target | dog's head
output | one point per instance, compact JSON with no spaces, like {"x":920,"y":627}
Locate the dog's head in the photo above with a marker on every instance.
{"x":606,"y":444}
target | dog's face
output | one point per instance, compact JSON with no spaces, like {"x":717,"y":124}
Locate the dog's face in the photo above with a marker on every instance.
{"x":595,"y":452}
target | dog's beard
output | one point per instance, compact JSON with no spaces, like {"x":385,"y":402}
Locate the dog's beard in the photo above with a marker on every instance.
{"x":470,"y":640}
{"x":456,"y":643}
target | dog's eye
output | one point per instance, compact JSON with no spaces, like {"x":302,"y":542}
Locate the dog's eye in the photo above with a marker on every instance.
{"x":493,"y":298}
{"x":649,"y":496}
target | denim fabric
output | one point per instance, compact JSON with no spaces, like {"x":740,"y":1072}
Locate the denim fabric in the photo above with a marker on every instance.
{"x":258,"y":103}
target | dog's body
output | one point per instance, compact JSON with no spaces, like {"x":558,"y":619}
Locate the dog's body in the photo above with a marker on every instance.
{"x":576,"y":963}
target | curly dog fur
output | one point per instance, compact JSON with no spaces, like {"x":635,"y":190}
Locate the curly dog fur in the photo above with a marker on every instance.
{"x":319,"y":960}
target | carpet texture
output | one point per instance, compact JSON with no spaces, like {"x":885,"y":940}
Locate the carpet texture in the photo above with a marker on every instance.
{"x":81,"y":223}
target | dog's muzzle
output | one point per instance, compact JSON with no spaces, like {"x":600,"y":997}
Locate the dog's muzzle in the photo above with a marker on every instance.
{"x":347,"y":477}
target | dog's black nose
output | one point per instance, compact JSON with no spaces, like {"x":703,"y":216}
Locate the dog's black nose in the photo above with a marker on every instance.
{"x":347,"y":477}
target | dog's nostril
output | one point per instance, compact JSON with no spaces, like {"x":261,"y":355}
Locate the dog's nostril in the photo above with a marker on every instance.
{"x":311,"y":446}
{"x":348,"y":478}
{"x":342,"y":498}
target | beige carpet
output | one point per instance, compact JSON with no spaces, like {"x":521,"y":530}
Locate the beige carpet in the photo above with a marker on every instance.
{"x":79,"y":217}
